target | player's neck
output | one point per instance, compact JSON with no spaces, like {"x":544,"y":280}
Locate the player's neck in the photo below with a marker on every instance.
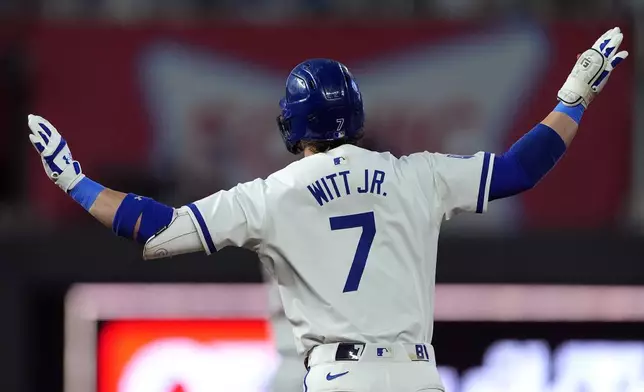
{"x":309,"y":152}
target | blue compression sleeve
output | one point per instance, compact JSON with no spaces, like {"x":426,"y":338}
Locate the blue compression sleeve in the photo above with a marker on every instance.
{"x":86,"y":192}
{"x":526,"y":162}
{"x":154,"y":217}
{"x":126,"y":216}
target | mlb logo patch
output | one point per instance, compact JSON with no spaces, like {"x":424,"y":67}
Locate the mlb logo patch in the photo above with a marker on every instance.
{"x":339,"y":160}
{"x":383,"y":352}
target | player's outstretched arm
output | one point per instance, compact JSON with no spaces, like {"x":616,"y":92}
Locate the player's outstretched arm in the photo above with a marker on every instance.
{"x":105,"y":206}
{"x":532,"y":156}
{"x":129,"y":215}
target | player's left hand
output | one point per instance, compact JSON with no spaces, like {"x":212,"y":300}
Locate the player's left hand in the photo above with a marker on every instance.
{"x":55,"y":154}
{"x":592,"y":70}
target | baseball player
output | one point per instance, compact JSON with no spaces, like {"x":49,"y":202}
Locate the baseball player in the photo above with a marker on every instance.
{"x":349,"y":234}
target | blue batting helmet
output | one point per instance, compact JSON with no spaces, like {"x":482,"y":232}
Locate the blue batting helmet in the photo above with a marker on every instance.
{"x":322,"y":102}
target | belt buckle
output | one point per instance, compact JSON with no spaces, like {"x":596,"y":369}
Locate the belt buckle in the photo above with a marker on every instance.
{"x":349,"y":351}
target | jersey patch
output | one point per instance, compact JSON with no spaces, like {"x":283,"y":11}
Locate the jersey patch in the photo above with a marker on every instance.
{"x":339,"y":161}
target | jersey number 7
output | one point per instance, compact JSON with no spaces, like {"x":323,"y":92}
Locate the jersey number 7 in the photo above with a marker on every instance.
{"x":367,"y":222}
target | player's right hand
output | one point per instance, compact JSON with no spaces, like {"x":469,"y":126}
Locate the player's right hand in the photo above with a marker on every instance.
{"x":592,"y":70}
{"x":54,"y":152}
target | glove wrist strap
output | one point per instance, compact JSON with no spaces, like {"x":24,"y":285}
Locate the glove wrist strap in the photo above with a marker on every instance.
{"x":574,"y":112}
{"x":69,"y":177}
{"x":85,"y":191}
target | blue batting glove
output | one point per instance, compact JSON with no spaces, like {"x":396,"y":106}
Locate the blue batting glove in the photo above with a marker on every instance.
{"x":55,"y":154}
{"x":591,"y":72}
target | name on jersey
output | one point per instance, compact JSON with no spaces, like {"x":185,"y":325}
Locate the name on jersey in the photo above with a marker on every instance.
{"x":337,"y":185}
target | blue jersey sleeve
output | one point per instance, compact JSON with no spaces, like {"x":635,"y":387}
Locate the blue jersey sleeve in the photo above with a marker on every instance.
{"x":526,"y":162}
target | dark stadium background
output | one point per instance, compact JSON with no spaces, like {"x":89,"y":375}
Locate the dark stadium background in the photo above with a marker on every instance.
{"x":78,"y":63}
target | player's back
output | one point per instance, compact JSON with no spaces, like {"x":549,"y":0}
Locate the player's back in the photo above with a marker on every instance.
{"x":351,"y":236}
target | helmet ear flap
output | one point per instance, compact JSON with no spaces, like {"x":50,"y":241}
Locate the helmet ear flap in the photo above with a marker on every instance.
{"x":284,"y":127}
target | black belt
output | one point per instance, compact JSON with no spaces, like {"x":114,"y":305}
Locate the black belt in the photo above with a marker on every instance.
{"x":353,"y":352}
{"x":344,"y":352}
{"x":349,"y":351}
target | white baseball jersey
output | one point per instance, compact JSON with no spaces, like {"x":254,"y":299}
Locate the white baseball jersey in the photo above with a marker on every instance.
{"x":351,"y":236}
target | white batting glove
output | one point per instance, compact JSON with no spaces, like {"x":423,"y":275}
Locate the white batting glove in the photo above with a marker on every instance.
{"x":54,"y":151}
{"x":592,"y":70}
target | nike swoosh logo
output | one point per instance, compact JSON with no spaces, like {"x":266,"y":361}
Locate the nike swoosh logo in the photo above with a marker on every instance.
{"x":330,"y":376}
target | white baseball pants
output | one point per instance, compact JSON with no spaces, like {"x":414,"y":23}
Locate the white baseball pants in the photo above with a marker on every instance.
{"x":349,"y":367}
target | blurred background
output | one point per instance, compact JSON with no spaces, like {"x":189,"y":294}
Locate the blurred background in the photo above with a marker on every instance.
{"x":177,"y":99}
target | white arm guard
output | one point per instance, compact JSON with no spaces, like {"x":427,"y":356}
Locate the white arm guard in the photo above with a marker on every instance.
{"x":179,"y":237}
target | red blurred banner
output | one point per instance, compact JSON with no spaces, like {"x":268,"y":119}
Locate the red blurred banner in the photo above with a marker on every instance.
{"x":198,"y":104}
{"x":185,"y":355}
